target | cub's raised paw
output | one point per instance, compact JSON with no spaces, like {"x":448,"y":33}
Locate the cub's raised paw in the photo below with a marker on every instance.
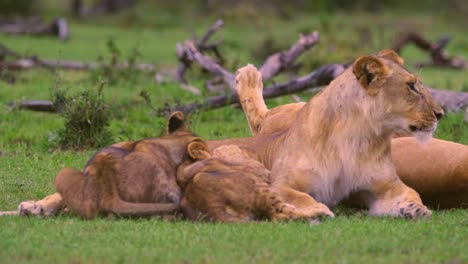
{"x":30,"y":208}
{"x":414,"y":211}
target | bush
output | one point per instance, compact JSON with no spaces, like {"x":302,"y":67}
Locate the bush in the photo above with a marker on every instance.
{"x":87,"y":118}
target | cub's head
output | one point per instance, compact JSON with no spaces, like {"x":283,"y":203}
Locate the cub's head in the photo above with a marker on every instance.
{"x":408,"y":106}
{"x":178,"y":138}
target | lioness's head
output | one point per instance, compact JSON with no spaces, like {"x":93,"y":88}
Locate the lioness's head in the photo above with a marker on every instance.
{"x":409,"y":106}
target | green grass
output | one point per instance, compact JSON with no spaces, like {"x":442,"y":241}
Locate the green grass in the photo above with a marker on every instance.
{"x":28,"y":165}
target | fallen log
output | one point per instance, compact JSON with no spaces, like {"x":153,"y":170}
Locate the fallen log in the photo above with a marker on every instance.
{"x":451,"y":101}
{"x":58,"y":27}
{"x":321,"y":76}
{"x":35,"y":105}
{"x":23,"y":62}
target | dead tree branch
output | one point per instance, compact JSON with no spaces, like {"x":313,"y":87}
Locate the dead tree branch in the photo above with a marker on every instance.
{"x":281,"y":61}
{"x":185,"y":61}
{"x":192,"y":51}
{"x":439,"y":56}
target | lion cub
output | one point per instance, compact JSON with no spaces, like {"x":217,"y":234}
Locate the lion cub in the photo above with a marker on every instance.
{"x":133,"y":179}
{"x":229,"y":186}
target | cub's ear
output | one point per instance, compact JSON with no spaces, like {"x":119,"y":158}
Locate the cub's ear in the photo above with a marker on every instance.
{"x":391,"y":56}
{"x":371,"y":73}
{"x":198,"y":150}
{"x":176,"y":123}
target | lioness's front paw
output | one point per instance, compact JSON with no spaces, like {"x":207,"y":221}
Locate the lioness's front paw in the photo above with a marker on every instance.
{"x":317,"y":211}
{"x":30,"y":208}
{"x":414,"y":210}
{"x":248,"y":77}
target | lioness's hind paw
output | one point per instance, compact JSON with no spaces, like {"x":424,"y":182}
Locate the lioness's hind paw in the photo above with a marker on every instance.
{"x":414,"y":211}
{"x":30,"y":208}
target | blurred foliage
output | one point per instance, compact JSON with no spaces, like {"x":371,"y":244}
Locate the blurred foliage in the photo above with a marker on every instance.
{"x":17,"y":7}
{"x":165,"y":11}
{"x":111,"y":67}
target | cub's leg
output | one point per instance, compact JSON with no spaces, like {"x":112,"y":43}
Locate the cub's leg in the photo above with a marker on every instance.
{"x":303,"y":202}
{"x":49,"y":206}
{"x":249,"y":88}
{"x":392,"y":197}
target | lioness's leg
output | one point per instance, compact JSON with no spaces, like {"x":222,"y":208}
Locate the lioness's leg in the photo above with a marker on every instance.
{"x":49,"y":206}
{"x":392,"y":197}
{"x":303,"y":202}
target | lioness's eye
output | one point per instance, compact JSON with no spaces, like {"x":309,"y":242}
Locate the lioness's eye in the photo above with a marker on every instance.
{"x":412,"y":88}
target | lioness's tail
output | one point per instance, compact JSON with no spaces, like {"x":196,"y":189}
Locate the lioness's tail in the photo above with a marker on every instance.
{"x":249,"y":87}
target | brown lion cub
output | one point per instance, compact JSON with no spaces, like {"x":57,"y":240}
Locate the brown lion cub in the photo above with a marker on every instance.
{"x":134,"y":178}
{"x":228,"y":187}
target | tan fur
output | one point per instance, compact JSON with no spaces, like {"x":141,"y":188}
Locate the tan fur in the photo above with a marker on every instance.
{"x":229,"y":187}
{"x":436,"y":170}
{"x":339,"y":142}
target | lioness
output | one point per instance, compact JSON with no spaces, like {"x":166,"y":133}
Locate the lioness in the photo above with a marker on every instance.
{"x":339,"y":142}
{"x":228,"y":186}
{"x":437,"y":169}
{"x":127,"y":179}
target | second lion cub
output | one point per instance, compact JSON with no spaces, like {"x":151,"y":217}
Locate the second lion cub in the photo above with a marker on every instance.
{"x":229,"y":186}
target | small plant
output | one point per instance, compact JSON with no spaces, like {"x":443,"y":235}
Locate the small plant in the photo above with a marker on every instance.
{"x":87,"y":118}
{"x":114,"y":68}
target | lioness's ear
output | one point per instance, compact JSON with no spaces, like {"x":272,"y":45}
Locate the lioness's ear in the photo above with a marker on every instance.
{"x":391,"y":56}
{"x":371,"y":73}
{"x":198,"y":150}
{"x":176,"y":122}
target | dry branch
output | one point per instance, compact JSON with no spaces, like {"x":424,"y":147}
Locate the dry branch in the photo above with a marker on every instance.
{"x":281,"y":61}
{"x":439,"y":56}
{"x":192,"y":51}
{"x":185,"y":61}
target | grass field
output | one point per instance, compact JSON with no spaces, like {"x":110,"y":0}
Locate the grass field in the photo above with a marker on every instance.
{"x":29,"y":163}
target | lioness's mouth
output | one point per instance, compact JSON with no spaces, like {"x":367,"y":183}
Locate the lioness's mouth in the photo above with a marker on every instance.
{"x":414,"y":128}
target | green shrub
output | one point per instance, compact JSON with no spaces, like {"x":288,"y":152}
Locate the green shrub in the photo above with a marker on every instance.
{"x":87,"y":118}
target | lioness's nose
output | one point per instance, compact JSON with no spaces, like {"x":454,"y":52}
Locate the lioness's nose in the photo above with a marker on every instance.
{"x":439,"y":113}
